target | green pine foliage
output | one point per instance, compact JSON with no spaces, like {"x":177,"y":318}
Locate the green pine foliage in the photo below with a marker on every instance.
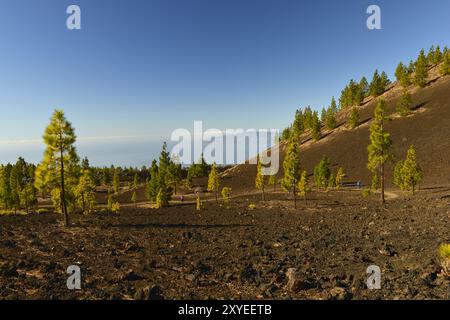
{"x":315,"y":127}
{"x":402,"y":75}
{"x":152,"y":187}
{"x":379,"y":84}
{"x":379,"y":150}
{"x":260,"y":178}
{"x":403,"y":106}
{"x":421,"y":70}
{"x":303,"y":186}
{"x":339,"y":176}
{"x":59,"y":169}
{"x":291,"y":166}
{"x":445,"y":67}
{"x":322,"y":173}
{"x":226,"y":194}
{"x":17,"y":190}
{"x":85,"y":191}
{"x":214,"y":181}
{"x":407,"y":173}
{"x":353,"y":119}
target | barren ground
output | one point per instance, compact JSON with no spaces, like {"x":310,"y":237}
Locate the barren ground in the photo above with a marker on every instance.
{"x":235,"y":252}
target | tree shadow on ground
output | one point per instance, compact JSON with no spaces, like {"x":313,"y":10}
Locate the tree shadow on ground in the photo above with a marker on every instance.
{"x":177,"y":225}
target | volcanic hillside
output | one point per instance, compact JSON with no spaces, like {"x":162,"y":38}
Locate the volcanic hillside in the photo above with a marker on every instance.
{"x":427,"y":128}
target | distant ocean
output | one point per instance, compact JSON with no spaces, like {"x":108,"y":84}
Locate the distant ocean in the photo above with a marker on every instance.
{"x":135,"y":153}
{"x":124,"y":152}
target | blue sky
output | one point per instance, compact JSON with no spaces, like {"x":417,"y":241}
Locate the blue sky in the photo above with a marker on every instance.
{"x":142,"y":68}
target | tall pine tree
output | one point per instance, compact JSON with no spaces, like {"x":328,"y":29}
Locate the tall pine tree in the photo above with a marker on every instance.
{"x":379,"y":150}
{"x":59,"y":165}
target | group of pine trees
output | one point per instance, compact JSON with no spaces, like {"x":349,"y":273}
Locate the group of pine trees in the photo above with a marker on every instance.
{"x":407,"y":173}
{"x":354,"y":94}
{"x":165,"y":176}
{"x":17,"y":190}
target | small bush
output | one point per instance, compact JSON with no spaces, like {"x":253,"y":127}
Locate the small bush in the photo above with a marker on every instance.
{"x":366,"y":192}
{"x":226,"y":194}
{"x":41,"y":211}
{"x":444,"y":252}
{"x":115,"y":207}
{"x":252,"y":206}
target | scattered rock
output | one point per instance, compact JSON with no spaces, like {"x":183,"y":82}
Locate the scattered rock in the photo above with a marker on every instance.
{"x":298,"y":282}
{"x":338,"y":293}
{"x":149,"y":293}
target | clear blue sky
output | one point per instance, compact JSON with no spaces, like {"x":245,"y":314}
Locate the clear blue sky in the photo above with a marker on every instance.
{"x":146,"y":67}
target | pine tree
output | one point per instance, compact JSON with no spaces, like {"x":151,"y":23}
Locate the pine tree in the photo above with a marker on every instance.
{"x":85,"y":191}
{"x":333,"y":106}
{"x":291,"y":166}
{"x":226,"y":194}
{"x":437,"y":57}
{"x":331,"y":182}
{"x":273,"y":181}
{"x":402,"y":75}
{"x":411,"y":68}
{"x":163,"y":196}
{"x":445,"y":68}
{"x":384,"y":82}
{"x":15,"y":188}
{"x":174,"y":174}
{"x":421,"y":70}
{"x":404,"y":104}
{"x":330,"y":119}
{"x":364,"y":86}
{"x":339,"y":176}
{"x":322,"y":173}
{"x":375,"y":85}
{"x":315,"y":127}
{"x":214,"y":181}
{"x":353,"y":119}
{"x":430,"y":56}
{"x":135,"y":187}
{"x":323,"y":115}
{"x":379,"y":150}
{"x":407,"y":173}
{"x":260,"y":178}
{"x":60,"y":162}
{"x":164,"y":163}
{"x":5,"y":190}
{"x":153,"y":183}
{"x":303,"y":185}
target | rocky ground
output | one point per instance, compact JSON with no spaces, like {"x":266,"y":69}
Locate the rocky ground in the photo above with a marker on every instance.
{"x":318,"y":251}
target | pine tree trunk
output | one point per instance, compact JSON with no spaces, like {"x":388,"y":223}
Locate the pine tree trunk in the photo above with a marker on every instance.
{"x":263,"y":195}
{"x":295,"y":199}
{"x":82,"y":203}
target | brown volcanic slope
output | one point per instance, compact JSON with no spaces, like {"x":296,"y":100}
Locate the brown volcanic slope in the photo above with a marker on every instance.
{"x":428,"y":128}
